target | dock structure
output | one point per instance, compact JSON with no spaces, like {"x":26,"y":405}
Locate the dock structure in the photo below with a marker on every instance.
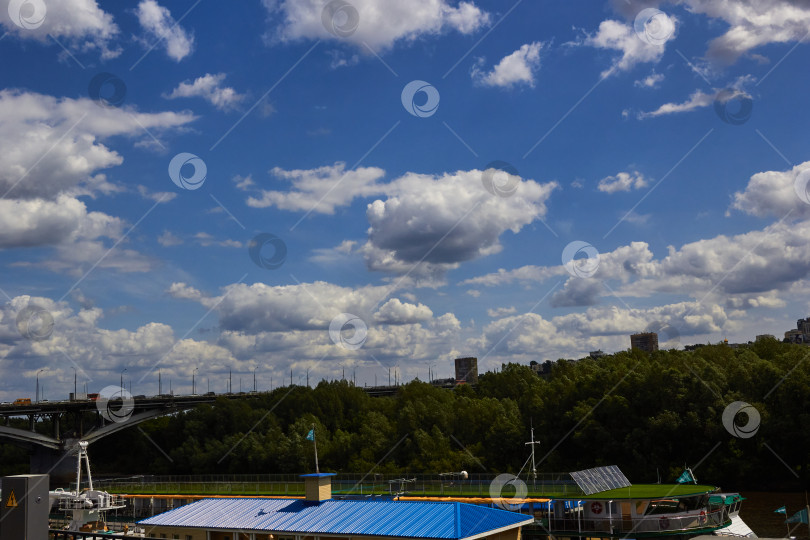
{"x":320,"y":516}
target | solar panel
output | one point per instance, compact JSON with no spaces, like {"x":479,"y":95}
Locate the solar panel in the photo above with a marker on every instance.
{"x":600,"y":479}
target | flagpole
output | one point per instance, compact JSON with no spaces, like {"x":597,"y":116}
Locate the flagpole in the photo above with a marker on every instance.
{"x":315,"y":444}
{"x":807,"y":508}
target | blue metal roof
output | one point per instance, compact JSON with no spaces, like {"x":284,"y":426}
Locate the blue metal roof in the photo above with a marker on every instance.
{"x":418,"y":519}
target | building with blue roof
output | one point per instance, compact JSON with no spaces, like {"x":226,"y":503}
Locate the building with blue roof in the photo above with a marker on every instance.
{"x":319,"y":517}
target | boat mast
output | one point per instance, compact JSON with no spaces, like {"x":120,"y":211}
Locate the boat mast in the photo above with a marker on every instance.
{"x":534,"y":468}
{"x":83,"y":454}
{"x":79,"y":469}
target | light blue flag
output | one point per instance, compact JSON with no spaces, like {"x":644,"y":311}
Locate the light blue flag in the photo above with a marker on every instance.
{"x":685,"y":477}
{"x":780,"y":510}
{"x":799,"y":517}
{"x":311,"y":435}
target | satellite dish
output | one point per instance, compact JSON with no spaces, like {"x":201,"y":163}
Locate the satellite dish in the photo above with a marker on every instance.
{"x":463,"y":475}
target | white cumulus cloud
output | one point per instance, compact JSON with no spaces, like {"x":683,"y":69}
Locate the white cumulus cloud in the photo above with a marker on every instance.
{"x":79,"y":24}
{"x":163,"y":30}
{"x":210,"y":88}
{"x":618,"y":36}
{"x":513,"y":69}
{"x":379,"y":23}
{"x":622,"y":181}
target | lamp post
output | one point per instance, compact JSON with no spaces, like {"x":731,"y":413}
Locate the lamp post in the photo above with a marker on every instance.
{"x":38,"y":372}
{"x":122,"y":381}
{"x":194,"y":382}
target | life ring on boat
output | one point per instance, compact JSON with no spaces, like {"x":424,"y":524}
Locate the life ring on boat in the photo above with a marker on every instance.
{"x":702,"y":517}
{"x":663,"y":523}
{"x":596,"y":507}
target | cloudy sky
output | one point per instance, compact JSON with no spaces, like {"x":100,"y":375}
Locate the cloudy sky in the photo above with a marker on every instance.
{"x":358,"y":185}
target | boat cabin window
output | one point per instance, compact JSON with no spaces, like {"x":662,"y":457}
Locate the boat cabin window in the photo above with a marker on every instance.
{"x":662,"y":506}
{"x":669,"y":506}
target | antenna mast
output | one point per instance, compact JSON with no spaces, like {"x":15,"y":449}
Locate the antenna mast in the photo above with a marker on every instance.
{"x":534,"y":468}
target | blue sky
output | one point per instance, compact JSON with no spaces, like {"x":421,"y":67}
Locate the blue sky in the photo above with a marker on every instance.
{"x":668,"y":138}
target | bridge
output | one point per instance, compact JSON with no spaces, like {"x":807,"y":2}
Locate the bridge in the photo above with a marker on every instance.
{"x":55,"y":453}
{"x":143,"y":408}
{"x":51,"y":450}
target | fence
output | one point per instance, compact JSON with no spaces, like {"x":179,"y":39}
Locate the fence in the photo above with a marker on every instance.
{"x":447,"y":484}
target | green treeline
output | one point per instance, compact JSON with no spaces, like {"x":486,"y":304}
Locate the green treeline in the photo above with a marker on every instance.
{"x":646,"y":413}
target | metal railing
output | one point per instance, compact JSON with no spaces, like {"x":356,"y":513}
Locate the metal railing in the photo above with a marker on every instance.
{"x":449,"y":484}
{"x":103,"y":501}
{"x":645,"y":524}
{"x":59,"y":534}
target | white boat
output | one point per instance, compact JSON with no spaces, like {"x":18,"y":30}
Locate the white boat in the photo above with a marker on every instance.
{"x":87,"y":507}
{"x":738,"y":527}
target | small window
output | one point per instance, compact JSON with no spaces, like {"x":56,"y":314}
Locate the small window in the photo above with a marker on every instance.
{"x":188,"y":537}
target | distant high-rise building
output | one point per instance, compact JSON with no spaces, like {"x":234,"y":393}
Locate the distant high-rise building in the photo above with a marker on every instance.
{"x":645,"y":341}
{"x":803,"y":326}
{"x":467,"y":370}
{"x":801,"y":334}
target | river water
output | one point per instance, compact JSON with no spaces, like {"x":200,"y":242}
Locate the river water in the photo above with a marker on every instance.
{"x":757,"y":512}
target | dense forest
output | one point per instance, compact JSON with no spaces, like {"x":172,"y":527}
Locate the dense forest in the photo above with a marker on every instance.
{"x":647,"y":413}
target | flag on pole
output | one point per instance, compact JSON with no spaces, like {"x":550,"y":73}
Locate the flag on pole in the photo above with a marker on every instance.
{"x":311,"y":435}
{"x":799,"y":517}
{"x":686,"y":477}
{"x":780,"y":510}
